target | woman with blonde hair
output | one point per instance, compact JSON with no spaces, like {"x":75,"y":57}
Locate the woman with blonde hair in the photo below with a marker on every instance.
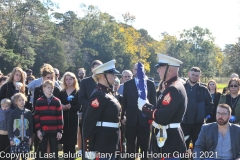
{"x":232,"y":99}
{"x":69,"y":100}
{"x":212,"y":87}
{"x":101,"y":123}
{"x":15,"y":84}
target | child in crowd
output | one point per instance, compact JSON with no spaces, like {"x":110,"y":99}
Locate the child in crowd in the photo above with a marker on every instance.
{"x":48,"y":121}
{"x":4,"y":117}
{"x":20,"y":126}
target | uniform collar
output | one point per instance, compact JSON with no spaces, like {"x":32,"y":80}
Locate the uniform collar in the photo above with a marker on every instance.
{"x":170,"y":81}
{"x":104,"y":88}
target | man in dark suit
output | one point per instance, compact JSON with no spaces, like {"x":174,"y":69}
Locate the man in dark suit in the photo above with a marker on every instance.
{"x":219,"y":140}
{"x":81,"y":75}
{"x":137,"y":124}
{"x":86,"y":88}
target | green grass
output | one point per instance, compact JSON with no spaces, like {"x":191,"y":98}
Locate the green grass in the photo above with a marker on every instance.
{"x":222,"y":85}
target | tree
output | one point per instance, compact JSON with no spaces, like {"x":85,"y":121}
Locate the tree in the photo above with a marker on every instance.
{"x":201,"y":50}
{"x":24,"y":24}
{"x":232,"y":57}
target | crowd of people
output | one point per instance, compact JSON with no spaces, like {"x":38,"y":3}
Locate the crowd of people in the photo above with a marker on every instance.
{"x":104,"y":113}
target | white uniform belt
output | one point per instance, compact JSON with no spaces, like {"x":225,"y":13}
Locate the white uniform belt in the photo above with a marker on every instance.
{"x":171,"y":125}
{"x":107,"y":124}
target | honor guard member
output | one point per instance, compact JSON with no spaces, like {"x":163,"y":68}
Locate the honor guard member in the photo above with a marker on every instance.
{"x":101,"y":124}
{"x":167,"y":115}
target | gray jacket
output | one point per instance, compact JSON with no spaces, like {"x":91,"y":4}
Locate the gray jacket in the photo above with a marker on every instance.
{"x":208,"y":139}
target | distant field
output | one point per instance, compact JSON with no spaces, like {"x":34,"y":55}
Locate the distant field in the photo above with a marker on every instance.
{"x":221,"y":85}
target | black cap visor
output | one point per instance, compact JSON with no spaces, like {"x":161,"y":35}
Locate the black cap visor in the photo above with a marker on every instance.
{"x":161,"y":64}
{"x":112,"y":71}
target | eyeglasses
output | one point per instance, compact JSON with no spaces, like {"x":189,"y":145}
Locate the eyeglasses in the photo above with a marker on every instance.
{"x":80,"y":73}
{"x":126,"y":76}
{"x":222,"y":114}
{"x":235,"y":86}
{"x":30,"y":79}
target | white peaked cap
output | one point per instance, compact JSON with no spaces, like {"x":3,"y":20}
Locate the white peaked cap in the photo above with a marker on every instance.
{"x":164,"y":60}
{"x":108,"y":67}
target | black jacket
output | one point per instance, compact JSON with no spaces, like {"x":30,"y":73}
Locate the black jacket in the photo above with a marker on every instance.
{"x":70,"y":116}
{"x":130,"y":103}
{"x":215,"y":102}
{"x":86,"y":88}
{"x":103,"y":107}
{"x":204,"y":104}
{"x":7,"y":91}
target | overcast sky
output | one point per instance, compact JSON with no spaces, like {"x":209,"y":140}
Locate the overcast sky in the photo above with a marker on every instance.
{"x":221,"y":17}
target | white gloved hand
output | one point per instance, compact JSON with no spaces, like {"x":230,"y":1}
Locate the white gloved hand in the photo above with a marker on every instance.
{"x":141,"y":103}
{"x":90,"y":155}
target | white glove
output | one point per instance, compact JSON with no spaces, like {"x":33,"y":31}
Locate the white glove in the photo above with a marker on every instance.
{"x":141,"y":103}
{"x":90,"y":155}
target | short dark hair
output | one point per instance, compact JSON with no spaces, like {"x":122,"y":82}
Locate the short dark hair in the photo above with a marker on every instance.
{"x":79,"y":69}
{"x":28,"y":70}
{"x":195,"y":69}
{"x":226,"y":107}
{"x":96,"y":62}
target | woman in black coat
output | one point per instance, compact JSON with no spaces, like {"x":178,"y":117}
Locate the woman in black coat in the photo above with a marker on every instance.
{"x":13,"y":86}
{"x":69,"y":100}
{"x":212,"y":87}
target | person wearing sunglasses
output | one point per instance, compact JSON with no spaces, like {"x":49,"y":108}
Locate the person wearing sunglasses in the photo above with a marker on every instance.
{"x":233,"y":75}
{"x":232,"y":99}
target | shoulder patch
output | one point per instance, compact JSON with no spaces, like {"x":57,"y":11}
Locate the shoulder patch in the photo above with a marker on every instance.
{"x":95,"y":103}
{"x":167,"y":99}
